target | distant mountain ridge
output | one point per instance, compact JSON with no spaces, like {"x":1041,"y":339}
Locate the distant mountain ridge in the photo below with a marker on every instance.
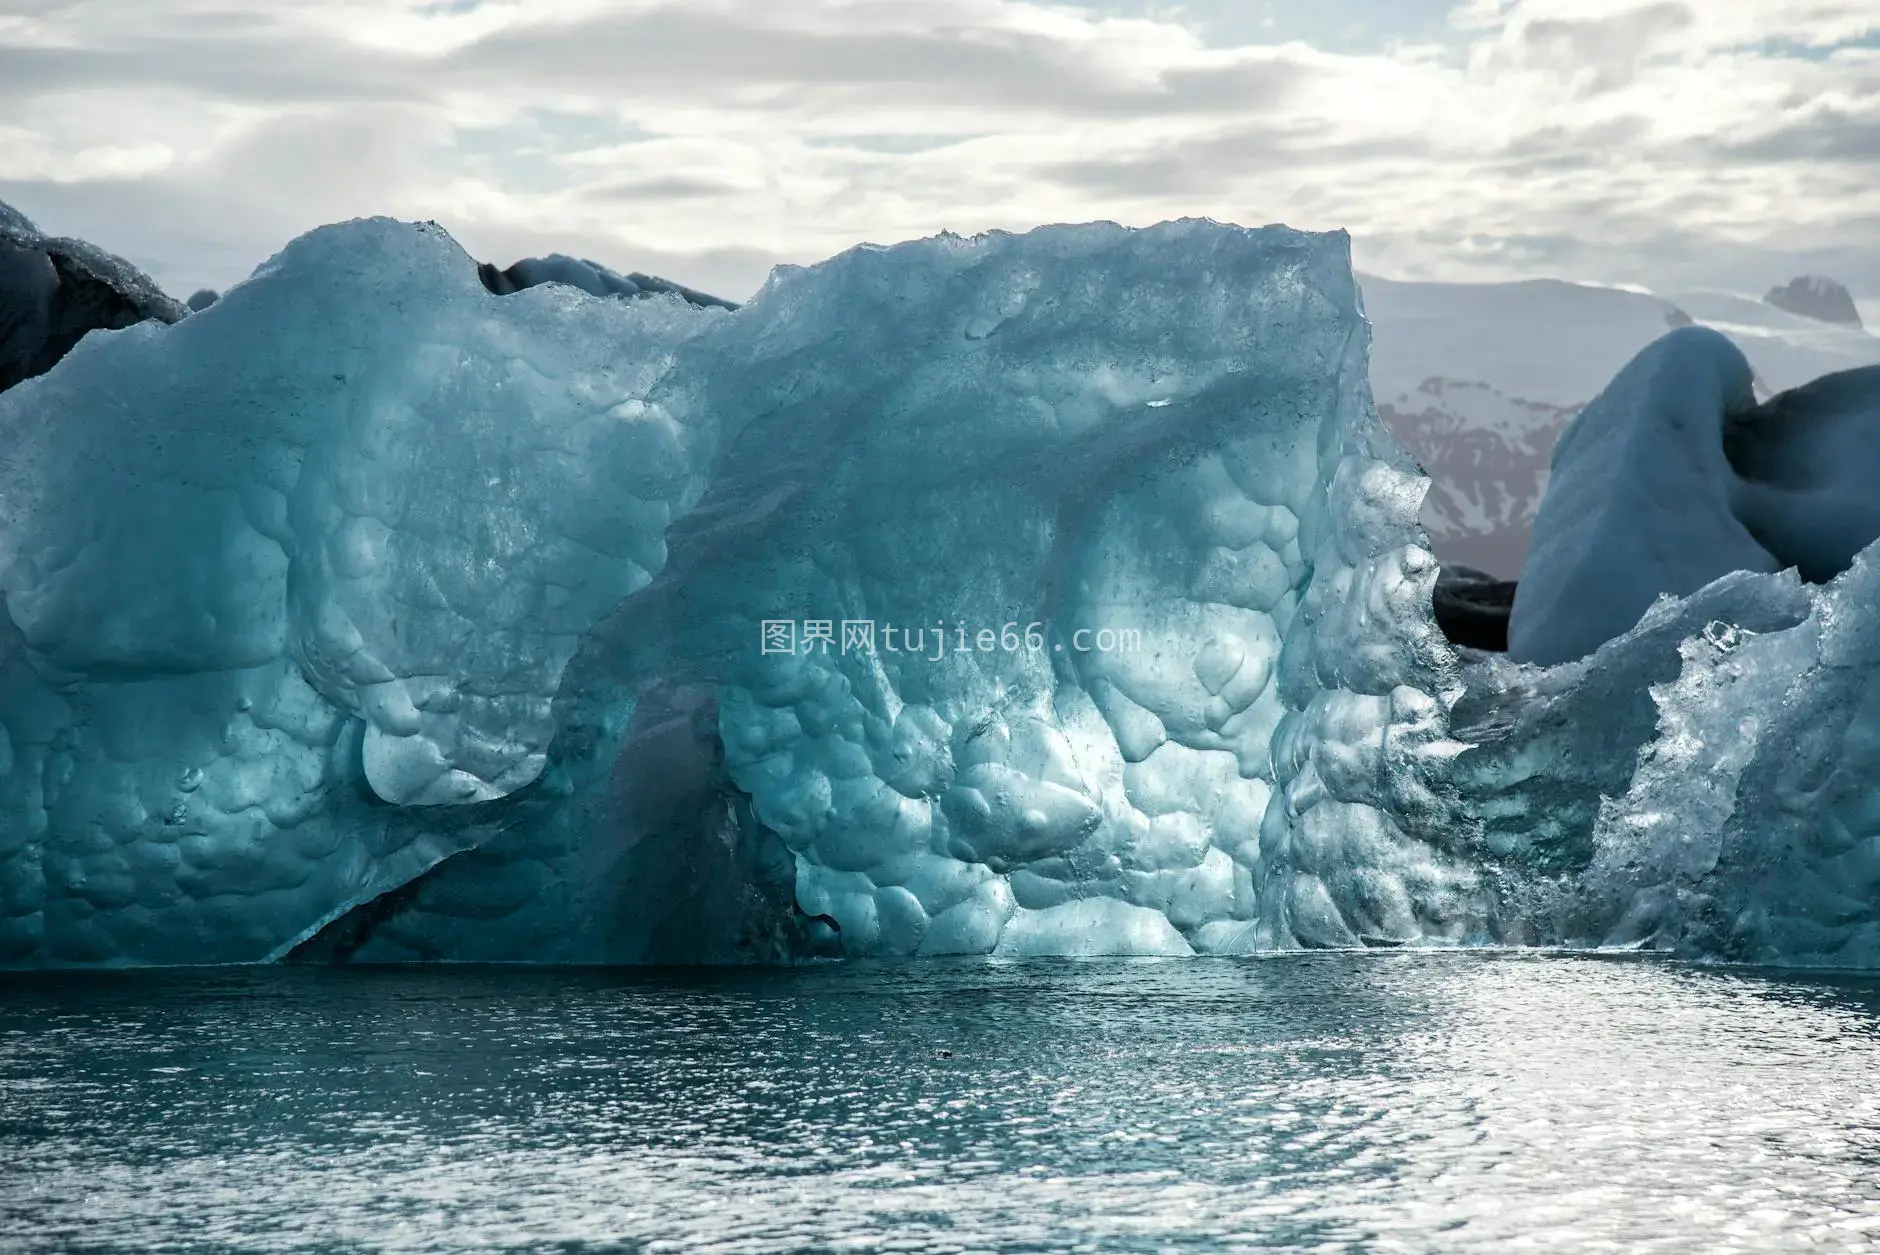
{"x":1478,"y":380}
{"x":1487,"y":455}
{"x":1817,"y":297}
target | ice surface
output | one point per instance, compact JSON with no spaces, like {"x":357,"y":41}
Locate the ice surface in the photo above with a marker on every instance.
{"x":1047,"y":429}
{"x":1807,"y":462}
{"x":1751,"y":830}
{"x":1548,"y":745}
{"x":367,"y":601}
{"x":1705,"y":784}
{"x":327,"y":542}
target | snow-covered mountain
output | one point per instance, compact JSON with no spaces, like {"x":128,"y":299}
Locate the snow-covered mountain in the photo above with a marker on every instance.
{"x":1478,"y":380}
{"x":1817,"y":297}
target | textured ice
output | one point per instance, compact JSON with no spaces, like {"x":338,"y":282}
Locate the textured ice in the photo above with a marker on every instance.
{"x":1549,"y":745}
{"x":1706,"y":784}
{"x":1751,"y":831}
{"x":324,"y":545}
{"x":369,"y":613}
{"x":1704,"y":780}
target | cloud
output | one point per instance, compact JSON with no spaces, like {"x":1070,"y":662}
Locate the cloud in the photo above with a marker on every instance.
{"x":232,"y":55}
{"x":1215,"y":164}
{"x":1823,"y":134}
{"x":899,"y":57}
{"x":1603,"y":53}
{"x":1619,"y":140}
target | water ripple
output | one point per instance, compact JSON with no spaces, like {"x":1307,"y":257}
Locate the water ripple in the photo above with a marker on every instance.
{"x":1405,"y":1102}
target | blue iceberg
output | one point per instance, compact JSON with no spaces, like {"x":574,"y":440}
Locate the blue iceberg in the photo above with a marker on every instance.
{"x":1042,"y":594}
{"x":1697,"y":771}
{"x":370,"y":613}
{"x":1675,"y":477}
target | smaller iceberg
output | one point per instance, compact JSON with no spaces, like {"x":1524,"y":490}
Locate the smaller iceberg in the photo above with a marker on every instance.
{"x":1675,"y":476}
{"x":590,"y":277}
{"x":1682,"y":750}
{"x":54,"y":291}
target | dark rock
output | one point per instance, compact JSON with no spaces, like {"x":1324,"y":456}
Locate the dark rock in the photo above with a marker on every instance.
{"x":54,"y":291}
{"x":590,"y":277}
{"x":202,"y":299}
{"x":1472,"y":608}
{"x":1817,"y":297}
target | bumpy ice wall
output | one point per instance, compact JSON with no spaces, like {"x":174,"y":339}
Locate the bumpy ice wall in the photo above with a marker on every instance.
{"x":370,"y":613}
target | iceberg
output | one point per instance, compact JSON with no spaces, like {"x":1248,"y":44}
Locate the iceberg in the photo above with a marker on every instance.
{"x":1675,"y":476}
{"x":1690,"y":767}
{"x":366,"y":613}
{"x":1041,"y":594}
{"x":591,"y":277}
{"x":1751,"y":829}
{"x":1806,"y":462}
{"x":54,"y":291}
{"x":1705,"y":784}
{"x":1639,"y":501}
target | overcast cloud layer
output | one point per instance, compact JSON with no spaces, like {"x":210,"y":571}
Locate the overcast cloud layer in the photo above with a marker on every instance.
{"x":1725,"y":143}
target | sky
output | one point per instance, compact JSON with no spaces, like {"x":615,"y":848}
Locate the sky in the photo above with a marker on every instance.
{"x":1714,"y":143}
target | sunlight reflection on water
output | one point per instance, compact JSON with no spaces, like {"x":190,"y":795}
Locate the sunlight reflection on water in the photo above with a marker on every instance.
{"x":1452,"y":1102}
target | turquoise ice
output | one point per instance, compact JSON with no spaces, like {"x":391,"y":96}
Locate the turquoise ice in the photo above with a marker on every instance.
{"x":369,"y":614}
{"x":371,"y":611}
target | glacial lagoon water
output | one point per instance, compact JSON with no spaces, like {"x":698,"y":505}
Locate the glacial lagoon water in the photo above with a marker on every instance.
{"x":1400,"y":1102}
